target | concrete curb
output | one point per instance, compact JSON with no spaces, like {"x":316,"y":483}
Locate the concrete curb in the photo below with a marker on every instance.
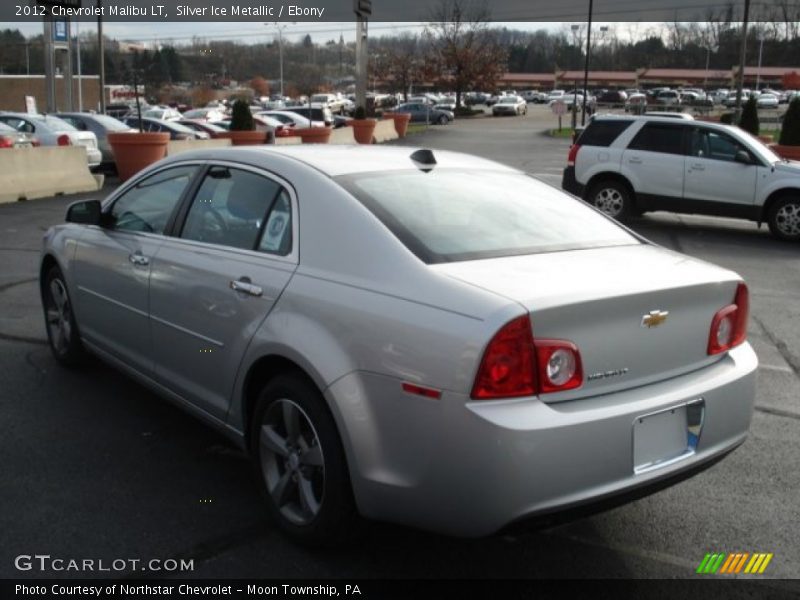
{"x":30,"y":173}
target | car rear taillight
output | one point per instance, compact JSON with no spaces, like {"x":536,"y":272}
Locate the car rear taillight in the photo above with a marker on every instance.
{"x":6,"y":142}
{"x":729,"y":325}
{"x":516,"y":364}
{"x":63,"y":140}
{"x":573,"y":154}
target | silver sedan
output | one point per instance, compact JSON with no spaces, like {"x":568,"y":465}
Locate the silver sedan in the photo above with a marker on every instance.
{"x":430,"y":339}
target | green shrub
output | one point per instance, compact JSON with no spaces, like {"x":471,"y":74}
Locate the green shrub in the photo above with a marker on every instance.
{"x":241,"y":117}
{"x":360,"y":113}
{"x":749,"y":119}
{"x":726,"y":118}
{"x":790,"y":131}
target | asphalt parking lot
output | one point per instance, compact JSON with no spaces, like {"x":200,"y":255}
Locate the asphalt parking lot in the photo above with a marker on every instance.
{"x":95,"y":466}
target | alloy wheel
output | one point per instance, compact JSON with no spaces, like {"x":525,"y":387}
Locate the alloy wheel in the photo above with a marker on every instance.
{"x":292,"y":461}
{"x":610,"y":201}
{"x":787,"y":219}
{"x":59,"y":316}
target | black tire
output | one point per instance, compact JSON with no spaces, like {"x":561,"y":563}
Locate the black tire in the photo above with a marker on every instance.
{"x":612,"y":198}
{"x":63,"y":336}
{"x":443,"y":120}
{"x":317,"y":505}
{"x":784,"y":219}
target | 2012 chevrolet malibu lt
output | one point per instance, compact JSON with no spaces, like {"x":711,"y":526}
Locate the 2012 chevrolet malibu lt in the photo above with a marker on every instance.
{"x":430,"y":339}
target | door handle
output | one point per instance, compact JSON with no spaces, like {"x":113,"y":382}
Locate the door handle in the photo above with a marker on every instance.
{"x":635,"y":161}
{"x":243,"y":285}
{"x":698,"y":167}
{"x":139,"y":260}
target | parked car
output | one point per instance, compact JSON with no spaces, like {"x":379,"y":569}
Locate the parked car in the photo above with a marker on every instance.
{"x":439,"y":341}
{"x":510,"y":105}
{"x":52,"y":131}
{"x":175,"y":130}
{"x":636,"y":103}
{"x":658,"y":163}
{"x":100,"y":126}
{"x":612,"y":97}
{"x":425,"y":113}
{"x":208,"y":127}
{"x":11,"y":138}
{"x":668,"y":98}
{"x":335,"y":103}
{"x":118,"y":110}
{"x":272,"y":127}
{"x":767,"y":101}
{"x":289,"y":119}
{"x":204,"y":114}
{"x":316,"y":113}
{"x":162,"y":113}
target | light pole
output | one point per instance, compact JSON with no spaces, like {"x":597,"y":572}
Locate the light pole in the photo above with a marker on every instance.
{"x":709,"y":49}
{"x":760,"y":52}
{"x":280,"y":29}
{"x":101,"y":51}
{"x":586,"y":66}
{"x":80,"y":72}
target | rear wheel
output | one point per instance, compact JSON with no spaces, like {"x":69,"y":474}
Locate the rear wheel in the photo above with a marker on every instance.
{"x":300,"y":463}
{"x":62,"y":330}
{"x":613,"y":198}
{"x":443,"y":120}
{"x":784,"y":219}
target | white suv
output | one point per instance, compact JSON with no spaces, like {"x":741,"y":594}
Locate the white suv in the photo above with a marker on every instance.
{"x":630,"y":165}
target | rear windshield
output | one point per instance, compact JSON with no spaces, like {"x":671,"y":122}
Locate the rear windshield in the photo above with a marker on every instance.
{"x":603,"y":132}
{"x":450,"y":215}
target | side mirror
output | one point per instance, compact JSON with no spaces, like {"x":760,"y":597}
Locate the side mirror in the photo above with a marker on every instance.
{"x":86,"y":212}
{"x":743,"y":157}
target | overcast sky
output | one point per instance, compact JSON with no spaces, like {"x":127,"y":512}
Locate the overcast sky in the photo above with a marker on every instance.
{"x":250,"y":32}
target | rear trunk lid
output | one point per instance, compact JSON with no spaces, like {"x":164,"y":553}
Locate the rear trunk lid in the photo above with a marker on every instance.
{"x":87,"y":139}
{"x":638,"y":314}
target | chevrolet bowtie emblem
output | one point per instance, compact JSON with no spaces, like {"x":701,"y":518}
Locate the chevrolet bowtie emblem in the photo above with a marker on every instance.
{"x":654,"y":318}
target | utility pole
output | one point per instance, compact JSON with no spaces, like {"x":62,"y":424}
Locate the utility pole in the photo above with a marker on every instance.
{"x":80,"y":72}
{"x":363,"y":9}
{"x":760,"y":52}
{"x":101,"y":49}
{"x":280,"y":29}
{"x":586,"y":67}
{"x":742,"y":55}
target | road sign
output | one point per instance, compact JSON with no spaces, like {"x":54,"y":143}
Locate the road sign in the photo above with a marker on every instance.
{"x":559,"y":108}
{"x":362,"y":8}
{"x":60,"y":31}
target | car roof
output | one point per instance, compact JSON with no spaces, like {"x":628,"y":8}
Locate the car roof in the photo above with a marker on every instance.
{"x":335,"y":160}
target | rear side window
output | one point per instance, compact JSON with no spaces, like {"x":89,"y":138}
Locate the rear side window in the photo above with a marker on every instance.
{"x":659,"y":137}
{"x":603,"y":133}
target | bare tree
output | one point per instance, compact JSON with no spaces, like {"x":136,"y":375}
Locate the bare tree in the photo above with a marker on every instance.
{"x":466,"y":49}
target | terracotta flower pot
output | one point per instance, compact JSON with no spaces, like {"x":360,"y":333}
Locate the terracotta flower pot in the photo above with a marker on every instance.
{"x":243,"y":138}
{"x":790,"y":152}
{"x":135,"y":151}
{"x":314,"y":135}
{"x":363,"y":129}
{"x":401,"y":121}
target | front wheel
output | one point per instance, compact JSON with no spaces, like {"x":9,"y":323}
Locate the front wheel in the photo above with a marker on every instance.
{"x":62,"y":330}
{"x":300,"y":463}
{"x":784,"y":219}
{"x":443,"y":120}
{"x":612,"y":198}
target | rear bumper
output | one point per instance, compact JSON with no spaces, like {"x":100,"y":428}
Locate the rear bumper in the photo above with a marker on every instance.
{"x":472,"y":468}
{"x":570,"y":184}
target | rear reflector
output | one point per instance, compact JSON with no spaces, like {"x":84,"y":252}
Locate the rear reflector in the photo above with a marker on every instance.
{"x":729,"y":325}
{"x":421,"y":391}
{"x":573,"y":154}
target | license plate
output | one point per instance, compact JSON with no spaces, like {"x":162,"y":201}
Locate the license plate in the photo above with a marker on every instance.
{"x":665,"y":437}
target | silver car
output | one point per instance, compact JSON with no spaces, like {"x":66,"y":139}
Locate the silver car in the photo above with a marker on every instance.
{"x":52,"y":131}
{"x":430,"y":339}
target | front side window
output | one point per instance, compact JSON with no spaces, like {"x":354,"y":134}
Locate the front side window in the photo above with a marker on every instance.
{"x":714,"y":145}
{"x":148,"y":205}
{"x":659,"y":137}
{"x":240,"y":209}
{"x":451,"y":215}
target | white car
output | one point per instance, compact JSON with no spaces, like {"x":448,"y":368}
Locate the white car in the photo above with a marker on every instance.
{"x":510,"y":105}
{"x":52,"y":131}
{"x":627,"y":165}
{"x":332,"y":101}
{"x":767,"y":101}
{"x":163,"y":113}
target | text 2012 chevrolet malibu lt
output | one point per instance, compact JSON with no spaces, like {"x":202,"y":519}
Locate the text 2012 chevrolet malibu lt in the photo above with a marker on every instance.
{"x":428,"y":339}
